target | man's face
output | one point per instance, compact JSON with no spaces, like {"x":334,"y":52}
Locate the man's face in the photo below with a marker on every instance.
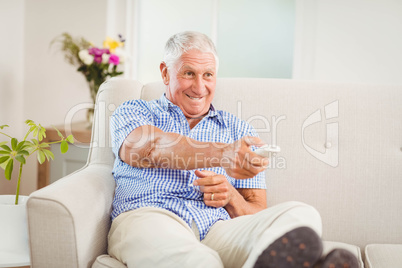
{"x":191,"y":82}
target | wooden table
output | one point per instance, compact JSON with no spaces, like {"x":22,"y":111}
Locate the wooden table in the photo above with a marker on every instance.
{"x":82,"y":135}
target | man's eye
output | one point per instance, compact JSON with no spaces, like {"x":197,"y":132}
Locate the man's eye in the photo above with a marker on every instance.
{"x":188,"y":73}
{"x":209,"y":75}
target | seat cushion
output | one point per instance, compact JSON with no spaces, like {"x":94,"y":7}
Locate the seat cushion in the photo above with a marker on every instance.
{"x":330,"y":245}
{"x":383,"y":255}
{"x":105,"y":261}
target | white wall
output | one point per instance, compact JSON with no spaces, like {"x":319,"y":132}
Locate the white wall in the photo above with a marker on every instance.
{"x":355,"y":41}
{"x":11,"y":75}
{"x":35,"y":81}
{"x":53,"y":86}
{"x":11,"y":64}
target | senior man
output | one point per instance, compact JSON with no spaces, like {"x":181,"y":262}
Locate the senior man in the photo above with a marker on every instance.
{"x":190,"y":191}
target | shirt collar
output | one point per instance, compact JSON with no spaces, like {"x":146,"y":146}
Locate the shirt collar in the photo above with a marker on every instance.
{"x":166,"y":104}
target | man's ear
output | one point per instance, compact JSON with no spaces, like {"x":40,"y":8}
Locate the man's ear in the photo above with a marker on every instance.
{"x":164,"y":73}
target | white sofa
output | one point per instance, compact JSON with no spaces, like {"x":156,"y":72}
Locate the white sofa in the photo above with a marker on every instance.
{"x":341,"y":152}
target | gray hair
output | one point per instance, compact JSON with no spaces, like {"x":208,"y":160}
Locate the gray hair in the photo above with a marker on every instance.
{"x":182,"y":42}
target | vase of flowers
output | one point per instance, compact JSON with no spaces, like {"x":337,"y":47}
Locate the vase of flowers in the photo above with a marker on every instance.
{"x":95,"y":63}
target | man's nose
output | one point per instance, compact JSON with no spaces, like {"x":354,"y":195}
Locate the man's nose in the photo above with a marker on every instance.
{"x":199,"y":85}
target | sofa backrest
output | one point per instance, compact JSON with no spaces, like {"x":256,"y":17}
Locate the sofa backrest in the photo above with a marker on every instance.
{"x":341,"y":146}
{"x":111,"y":94}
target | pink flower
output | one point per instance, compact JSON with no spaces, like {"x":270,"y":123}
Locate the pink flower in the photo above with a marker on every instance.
{"x":97,"y":53}
{"x":114,"y":59}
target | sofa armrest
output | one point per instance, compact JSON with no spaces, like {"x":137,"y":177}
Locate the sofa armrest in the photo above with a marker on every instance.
{"x":68,"y":221}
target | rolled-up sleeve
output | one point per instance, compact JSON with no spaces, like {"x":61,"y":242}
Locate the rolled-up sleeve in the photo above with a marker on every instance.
{"x":127,"y":117}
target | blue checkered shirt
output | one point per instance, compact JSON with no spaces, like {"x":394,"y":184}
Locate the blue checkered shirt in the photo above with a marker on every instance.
{"x":168,"y":188}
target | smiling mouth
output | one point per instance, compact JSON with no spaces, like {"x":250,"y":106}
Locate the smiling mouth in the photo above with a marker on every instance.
{"x":193,"y":98}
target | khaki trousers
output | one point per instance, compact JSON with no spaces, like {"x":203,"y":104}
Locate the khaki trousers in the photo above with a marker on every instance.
{"x":153,"y":237}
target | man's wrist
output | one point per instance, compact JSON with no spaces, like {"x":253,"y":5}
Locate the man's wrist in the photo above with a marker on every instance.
{"x":215,"y":155}
{"x":235,"y":204}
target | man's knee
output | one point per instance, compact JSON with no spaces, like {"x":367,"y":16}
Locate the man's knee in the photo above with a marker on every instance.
{"x":298,"y":214}
{"x":307,"y":215}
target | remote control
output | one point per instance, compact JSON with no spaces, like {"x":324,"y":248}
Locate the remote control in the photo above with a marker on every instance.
{"x":267,"y":150}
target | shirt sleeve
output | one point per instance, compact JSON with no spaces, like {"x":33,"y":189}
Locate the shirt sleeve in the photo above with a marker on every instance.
{"x":257,"y":182}
{"x":127,"y":117}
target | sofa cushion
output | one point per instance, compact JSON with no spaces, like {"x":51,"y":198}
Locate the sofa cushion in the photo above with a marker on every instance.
{"x":330,"y":245}
{"x":105,"y":261}
{"x":383,"y":255}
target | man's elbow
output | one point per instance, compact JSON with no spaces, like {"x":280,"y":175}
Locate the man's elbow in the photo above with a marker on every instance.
{"x":141,"y":156}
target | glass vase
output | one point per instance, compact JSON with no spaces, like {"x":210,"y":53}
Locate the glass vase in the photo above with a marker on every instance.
{"x":93,"y":88}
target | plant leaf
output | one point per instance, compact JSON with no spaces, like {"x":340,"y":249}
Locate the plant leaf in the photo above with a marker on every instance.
{"x":5,"y":147}
{"x":4,"y":159}
{"x":9,"y":169}
{"x":32,"y":128}
{"x":29,"y":122}
{"x":23,"y":152}
{"x":4,"y":165}
{"x":3,"y":126}
{"x":35,"y":131}
{"x":64,"y":147}
{"x":20,"y":158}
{"x":58,"y":132}
{"x":14,"y":143}
{"x":70,"y":139}
{"x":20,"y":145}
{"x":2,"y":143}
{"x":48,"y":154}
{"x":29,"y":146}
{"x":4,"y":152}
{"x":41,"y":132}
{"x":44,"y":145}
{"x":41,"y":157}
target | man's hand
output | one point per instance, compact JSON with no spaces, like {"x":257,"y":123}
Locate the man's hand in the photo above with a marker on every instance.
{"x":237,"y":202}
{"x":214,"y":184}
{"x":242,"y":163}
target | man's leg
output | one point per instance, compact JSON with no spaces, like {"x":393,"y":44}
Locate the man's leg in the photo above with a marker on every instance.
{"x":152,"y":237}
{"x":241,"y":240}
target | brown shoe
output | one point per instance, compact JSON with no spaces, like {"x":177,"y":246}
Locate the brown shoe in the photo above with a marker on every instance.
{"x":338,"y":258}
{"x":299,"y":248}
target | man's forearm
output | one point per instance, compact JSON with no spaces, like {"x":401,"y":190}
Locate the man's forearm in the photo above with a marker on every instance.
{"x":150,"y":147}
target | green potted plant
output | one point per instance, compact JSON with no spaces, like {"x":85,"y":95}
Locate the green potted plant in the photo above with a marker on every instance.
{"x":13,"y":231}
